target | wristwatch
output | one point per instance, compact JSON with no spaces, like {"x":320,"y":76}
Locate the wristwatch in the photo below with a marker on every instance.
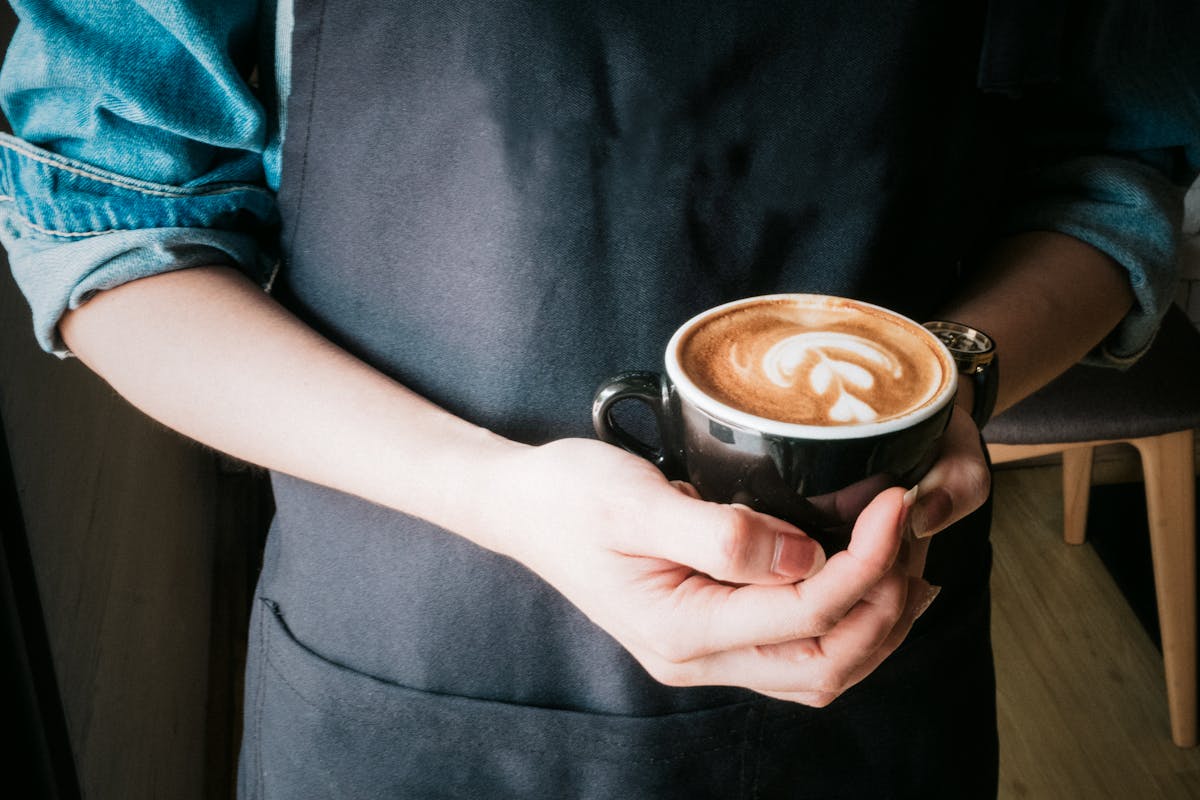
{"x":975,"y":354}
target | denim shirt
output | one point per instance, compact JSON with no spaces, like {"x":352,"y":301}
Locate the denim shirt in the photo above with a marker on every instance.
{"x":142,"y":147}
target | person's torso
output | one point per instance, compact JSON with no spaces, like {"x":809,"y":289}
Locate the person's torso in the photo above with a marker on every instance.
{"x":501,"y":204}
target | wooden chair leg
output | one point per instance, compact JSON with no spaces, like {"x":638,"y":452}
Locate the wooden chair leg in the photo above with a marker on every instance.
{"x":1077,"y":485}
{"x":1168,"y":463}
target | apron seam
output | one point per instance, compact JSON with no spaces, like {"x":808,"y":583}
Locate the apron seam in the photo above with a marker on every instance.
{"x":311,"y":88}
{"x":258,"y":705}
{"x":278,"y":670}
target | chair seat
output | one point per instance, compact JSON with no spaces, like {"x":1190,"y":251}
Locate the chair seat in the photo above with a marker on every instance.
{"x":1157,"y":395}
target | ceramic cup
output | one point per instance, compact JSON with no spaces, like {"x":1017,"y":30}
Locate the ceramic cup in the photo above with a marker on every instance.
{"x":820,"y":447}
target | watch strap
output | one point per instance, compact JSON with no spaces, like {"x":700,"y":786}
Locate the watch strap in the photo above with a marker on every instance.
{"x":986,"y":378}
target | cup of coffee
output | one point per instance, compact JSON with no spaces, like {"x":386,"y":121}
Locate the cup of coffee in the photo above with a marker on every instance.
{"x":801,"y":406}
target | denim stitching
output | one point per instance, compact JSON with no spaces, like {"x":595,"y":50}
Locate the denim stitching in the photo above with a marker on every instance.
{"x":53,"y":232}
{"x":270,"y":283}
{"x":26,"y":151}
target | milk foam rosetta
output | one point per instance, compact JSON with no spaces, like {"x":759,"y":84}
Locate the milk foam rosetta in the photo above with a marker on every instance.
{"x":844,"y":366}
{"x":837,"y":365}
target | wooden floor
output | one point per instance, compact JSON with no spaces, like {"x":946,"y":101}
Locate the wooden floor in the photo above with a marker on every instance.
{"x":1080,"y":686}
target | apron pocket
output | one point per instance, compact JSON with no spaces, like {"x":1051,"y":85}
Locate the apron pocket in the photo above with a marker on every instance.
{"x":316,"y":728}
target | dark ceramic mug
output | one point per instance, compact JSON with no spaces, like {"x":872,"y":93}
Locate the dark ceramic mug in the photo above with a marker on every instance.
{"x":818,"y":477}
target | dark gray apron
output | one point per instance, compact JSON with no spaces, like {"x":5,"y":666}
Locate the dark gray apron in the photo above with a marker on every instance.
{"x":501,"y":203}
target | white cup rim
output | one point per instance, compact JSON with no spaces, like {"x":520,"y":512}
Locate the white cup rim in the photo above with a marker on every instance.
{"x":792,"y":430}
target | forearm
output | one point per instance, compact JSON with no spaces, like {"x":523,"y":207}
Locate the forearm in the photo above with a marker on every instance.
{"x":207,"y":353}
{"x":1047,"y":299}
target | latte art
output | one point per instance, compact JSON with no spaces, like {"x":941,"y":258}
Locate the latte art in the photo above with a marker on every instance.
{"x":835,"y":363}
{"x":827,"y":361}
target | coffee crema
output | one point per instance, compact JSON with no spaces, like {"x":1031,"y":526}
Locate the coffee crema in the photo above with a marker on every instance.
{"x":827,"y":362}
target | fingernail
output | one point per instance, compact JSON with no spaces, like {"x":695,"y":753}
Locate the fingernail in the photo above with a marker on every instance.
{"x":910,"y":497}
{"x":796,"y":558}
{"x":931,"y":513}
{"x":930,"y":595}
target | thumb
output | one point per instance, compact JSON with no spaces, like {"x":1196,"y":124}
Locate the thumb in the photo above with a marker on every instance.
{"x":731,"y":543}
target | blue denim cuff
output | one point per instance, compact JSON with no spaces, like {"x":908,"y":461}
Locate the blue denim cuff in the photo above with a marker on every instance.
{"x":1129,"y":211}
{"x":72,"y":230}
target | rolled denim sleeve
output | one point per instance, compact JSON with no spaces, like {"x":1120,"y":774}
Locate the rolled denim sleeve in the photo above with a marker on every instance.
{"x":139,"y":148}
{"x":1114,"y":142}
{"x":1131,"y":213}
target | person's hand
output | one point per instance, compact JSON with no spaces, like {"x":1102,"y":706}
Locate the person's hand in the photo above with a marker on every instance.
{"x":702,"y":593}
{"x":957,"y":484}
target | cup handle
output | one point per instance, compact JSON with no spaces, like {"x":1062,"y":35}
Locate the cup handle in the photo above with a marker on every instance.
{"x":649,"y":388}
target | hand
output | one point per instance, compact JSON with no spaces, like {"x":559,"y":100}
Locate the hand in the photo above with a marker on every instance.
{"x":702,"y":593}
{"x":957,"y":484}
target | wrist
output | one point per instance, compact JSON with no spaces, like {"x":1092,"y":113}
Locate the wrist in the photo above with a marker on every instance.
{"x":423,"y":462}
{"x":482,"y":488}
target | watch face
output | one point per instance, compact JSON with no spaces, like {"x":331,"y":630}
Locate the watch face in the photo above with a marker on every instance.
{"x":960,"y":339}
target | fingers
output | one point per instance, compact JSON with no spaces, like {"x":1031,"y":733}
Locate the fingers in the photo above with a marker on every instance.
{"x":708,"y":617}
{"x":874,"y":546}
{"x":798,"y":627}
{"x":957,"y":484}
{"x":815,"y":671}
{"x":733,"y":544}
{"x":914,"y":556}
{"x":845,"y":503}
{"x":920,"y":597}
